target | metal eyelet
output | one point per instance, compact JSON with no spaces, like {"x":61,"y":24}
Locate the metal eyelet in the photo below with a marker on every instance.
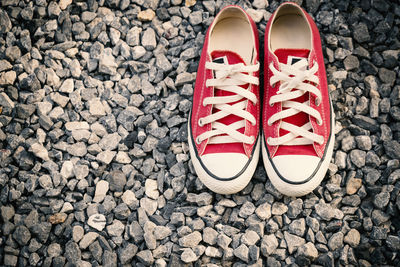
{"x":317,"y":102}
{"x":198,"y":140}
{"x":269,"y":140}
{"x":271,"y":104}
{"x":319,"y":122}
{"x":200,"y":122}
{"x":269,"y":123}
{"x":204,"y":105}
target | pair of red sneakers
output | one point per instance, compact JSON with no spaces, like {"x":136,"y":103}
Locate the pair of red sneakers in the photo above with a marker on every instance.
{"x":297,"y":120}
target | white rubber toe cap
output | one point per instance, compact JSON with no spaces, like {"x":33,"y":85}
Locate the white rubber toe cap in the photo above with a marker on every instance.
{"x":224,"y":165}
{"x":296,"y":168}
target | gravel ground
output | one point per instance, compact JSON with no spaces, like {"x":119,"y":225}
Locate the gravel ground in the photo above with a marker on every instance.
{"x":94,"y":164}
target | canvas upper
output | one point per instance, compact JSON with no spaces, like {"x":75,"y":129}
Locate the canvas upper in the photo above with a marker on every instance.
{"x":226,"y":58}
{"x":292,"y":41}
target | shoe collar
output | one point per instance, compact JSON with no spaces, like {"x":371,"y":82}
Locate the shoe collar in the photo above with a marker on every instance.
{"x":281,"y":10}
{"x":237,"y":11}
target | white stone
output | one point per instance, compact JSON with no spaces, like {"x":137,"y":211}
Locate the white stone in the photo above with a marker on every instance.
{"x":88,"y":239}
{"x":81,"y":171}
{"x":123,"y":157}
{"x":45,"y":182}
{"x":107,"y":63}
{"x":43,"y":108}
{"x":52,"y":78}
{"x":146,"y":15}
{"x":50,"y":25}
{"x":97,"y":221}
{"x":56,"y":113}
{"x":96,"y":108}
{"x":116,"y":229}
{"x":110,"y":141}
{"x":71,"y":52}
{"x":129,"y":197}
{"x":98,"y":129}
{"x":339,"y":75}
{"x":67,"y":207}
{"x":54,"y":54}
{"x":64,"y":4}
{"x":78,"y":149}
{"x":138,"y":52}
{"x":101,"y":191}
{"x":77,"y":233}
{"x":67,"y":169}
{"x":41,"y":135}
{"x":75,"y":68}
{"x":8,"y":78}
{"x":114,"y":35}
{"x":84,"y":264}
{"x":5,"y":65}
{"x":260,"y":4}
{"x":94,"y":150}
{"x":133,"y":35}
{"x":149,"y":39}
{"x":81,"y":135}
{"x":40,"y":151}
{"x":5,"y":101}
{"x":149,"y":205}
{"x":151,"y":189}
{"x":264,"y":211}
{"x":67,"y":86}
{"x":106,"y":156}
{"x":93,"y":139}
{"x":256,"y":15}
{"x":61,"y":100}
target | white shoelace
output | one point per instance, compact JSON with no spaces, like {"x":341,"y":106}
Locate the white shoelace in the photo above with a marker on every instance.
{"x":293,"y":85}
{"x":229,"y":78}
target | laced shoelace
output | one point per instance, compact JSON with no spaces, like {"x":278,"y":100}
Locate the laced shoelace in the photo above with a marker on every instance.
{"x":293,"y":85}
{"x":229,"y":78}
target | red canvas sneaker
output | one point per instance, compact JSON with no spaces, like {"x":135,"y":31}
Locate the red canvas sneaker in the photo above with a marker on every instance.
{"x":223,"y":131}
{"x":298,"y":118}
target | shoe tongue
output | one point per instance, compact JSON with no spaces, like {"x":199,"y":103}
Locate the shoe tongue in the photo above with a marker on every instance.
{"x":226,"y":57}
{"x":291,"y":55}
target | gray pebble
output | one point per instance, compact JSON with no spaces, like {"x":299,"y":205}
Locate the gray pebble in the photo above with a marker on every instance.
{"x":145,"y":257}
{"x":148,"y":39}
{"x":22,"y":235}
{"x":242,"y":252}
{"x":336,"y":241}
{"x":72,"y":252}
{"x":293,"y":242}
{"x":381,"y":200}
{"x":117,"y":180}
{"x":191,"y":240}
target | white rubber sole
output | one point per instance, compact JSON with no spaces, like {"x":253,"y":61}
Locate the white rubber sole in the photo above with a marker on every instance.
{"x":297,"y":190}
{"x":225,"y":187}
